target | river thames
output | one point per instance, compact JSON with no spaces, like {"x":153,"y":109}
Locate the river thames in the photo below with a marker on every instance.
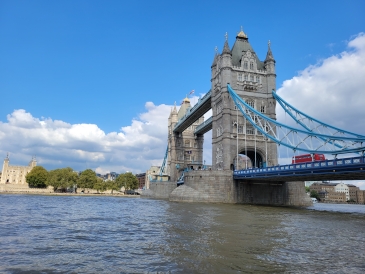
{"x":83,"y":234}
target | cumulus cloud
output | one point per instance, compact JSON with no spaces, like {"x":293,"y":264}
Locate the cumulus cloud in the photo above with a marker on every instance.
{"x":333,"y":89}
{"x":58,"y":144}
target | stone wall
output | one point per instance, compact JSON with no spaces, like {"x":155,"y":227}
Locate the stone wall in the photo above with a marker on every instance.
{"x":272,"y":193}
{"x":13,"y":188}
{"x":159,"y":190}
{"x":211,"y":186}
{"x":219,"y":187}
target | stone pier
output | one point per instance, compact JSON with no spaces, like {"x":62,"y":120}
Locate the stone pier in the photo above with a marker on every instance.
{"x":220,"y":187}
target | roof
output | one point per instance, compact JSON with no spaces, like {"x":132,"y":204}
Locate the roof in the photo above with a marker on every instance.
{"x":184,"y":107}
{"x":240,"y":46}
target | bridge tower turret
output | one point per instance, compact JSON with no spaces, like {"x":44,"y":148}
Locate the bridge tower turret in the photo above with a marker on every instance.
{"x":172,"y":145}
{"x":253,"y":81}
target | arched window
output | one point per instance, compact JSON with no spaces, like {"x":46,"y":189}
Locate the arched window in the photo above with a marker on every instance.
{"x":219,"y":107}
{"x":251,"y":65}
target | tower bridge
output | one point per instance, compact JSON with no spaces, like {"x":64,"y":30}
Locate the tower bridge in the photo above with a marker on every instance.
{"x":243,"y":103}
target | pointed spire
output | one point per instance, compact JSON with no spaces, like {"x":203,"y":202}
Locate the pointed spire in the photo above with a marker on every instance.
{"x":226,"y":49}
{"x":174,"y":111}
{"x":269,"y":55}
{"x":241,"y":34}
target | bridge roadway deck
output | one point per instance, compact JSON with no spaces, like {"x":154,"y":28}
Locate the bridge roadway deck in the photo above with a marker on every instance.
{"x":194,"y":113}
{"x":337,"y":169}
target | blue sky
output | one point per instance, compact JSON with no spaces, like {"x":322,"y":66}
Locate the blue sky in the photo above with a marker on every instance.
{"x":101,"y":76}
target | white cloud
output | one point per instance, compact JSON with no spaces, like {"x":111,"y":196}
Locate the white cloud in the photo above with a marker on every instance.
{"x":58,"y":144}
{"x":333,"y":89}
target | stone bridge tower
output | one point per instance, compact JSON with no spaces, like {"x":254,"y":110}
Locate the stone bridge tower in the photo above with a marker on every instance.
{"x":185,"y":150}
{"x":253,"y":80}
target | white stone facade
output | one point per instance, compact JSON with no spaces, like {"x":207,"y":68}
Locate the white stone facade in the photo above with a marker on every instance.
{"x":15,"y":174}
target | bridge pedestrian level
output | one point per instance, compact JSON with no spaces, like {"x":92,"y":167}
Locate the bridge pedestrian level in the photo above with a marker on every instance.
{"x":194,"y":113}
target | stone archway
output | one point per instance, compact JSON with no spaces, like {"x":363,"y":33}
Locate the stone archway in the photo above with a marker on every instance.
{"x":259,"y":159}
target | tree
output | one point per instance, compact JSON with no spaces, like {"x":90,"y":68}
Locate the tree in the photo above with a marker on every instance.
{"x":100,"y":185}
{"x":307,"y":189}
{"x":87,"y":179}
{"x":37,"y":177}
{"x":314,"y":194}
{"x":113,"y":185}
{"x":63,"y":178}
{"x":128,"y":180}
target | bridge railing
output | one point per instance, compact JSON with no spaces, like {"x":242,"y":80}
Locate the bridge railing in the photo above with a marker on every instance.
{"x":289,"y":169}
{"x":201,"y":101}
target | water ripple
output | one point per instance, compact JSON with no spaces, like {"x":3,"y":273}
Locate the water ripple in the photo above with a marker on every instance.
{"x":71,"y":234}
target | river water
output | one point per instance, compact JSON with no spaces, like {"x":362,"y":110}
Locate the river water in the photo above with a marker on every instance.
{"x":83,"y":234}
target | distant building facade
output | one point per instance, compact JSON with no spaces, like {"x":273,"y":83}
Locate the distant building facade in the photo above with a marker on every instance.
{"x":141,"y":177}
{"x":15,"y":174}
{"x":338,"y":192}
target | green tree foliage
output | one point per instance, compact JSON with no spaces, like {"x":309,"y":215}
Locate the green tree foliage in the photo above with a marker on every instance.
{"x":113,"y":185}
{"x":314,"y":194}
{"x":100,"y":185}
{"x":307,"y":189}
{"x":37,"y":177}
{"x":128,"y":180}
{"x":63,"y":178}
{"x":87,"y":179}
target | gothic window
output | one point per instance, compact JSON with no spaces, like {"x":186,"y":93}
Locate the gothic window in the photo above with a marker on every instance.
{"x":245,"y":65}
{"x":187,"y":143}
{"x":251,"y":65}
{"x":219,"y":107}
{"x":239,"y":77}
{"x":246,"y":77}
{"x":219,"y":131}
{"x":240,"y":129}
{"x":262,"y":109}
{"x":258,"y":79}
{"x":251,"y":103}
{"x":251,"y":78}
{"x":250,"y":131}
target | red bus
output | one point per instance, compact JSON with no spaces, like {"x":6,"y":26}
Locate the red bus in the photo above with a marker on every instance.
{"x":304,"y":158}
